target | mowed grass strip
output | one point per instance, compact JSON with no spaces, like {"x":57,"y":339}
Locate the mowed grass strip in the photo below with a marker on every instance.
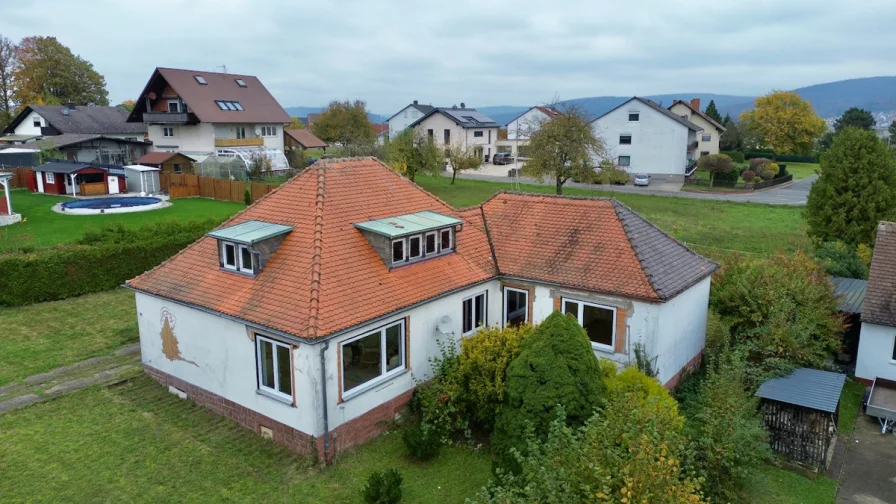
{"x":713,"y":228}
{"x":45,"y":227}
{"x":40,"y":337}
{"x":135,"y":442}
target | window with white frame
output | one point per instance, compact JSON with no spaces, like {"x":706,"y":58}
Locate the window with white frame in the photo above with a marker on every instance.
{"x":598,"y":321}
{"x":274,"y":367}
{"x":625,"y":161}
{"x":634,"y":116}
{"x":516,"y":307}
{"x":707,"y":138}
{"x":430,"y":243}
{"x":228,"y":255}
{"x":625,"y":139}
{"x":420,"y":246}
{"x":36,"y":122}
{"x":474,"y":312}
{"x":398,"y":251}
{"x":240,"y":132}
{"x":51,"y":178}
{"x":246,"y":260}
{"x":415,"y":247}
{"x":173,"y":106}
{"x":446,"y":239}
{"x":269,"y":131}
{"x":167,"y":131}
{"x":373,"y":357}
{"x":893,"y":357}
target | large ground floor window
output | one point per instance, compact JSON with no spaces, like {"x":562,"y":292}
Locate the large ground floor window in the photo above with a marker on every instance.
{"x":373,"y":356}
{"x":274,"y":367}
{"x":474,"y":310}
{"x":516,"y":307}
{"x":599,"y":322}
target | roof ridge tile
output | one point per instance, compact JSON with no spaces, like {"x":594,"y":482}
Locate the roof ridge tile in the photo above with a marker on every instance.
{"x":317,"y":250}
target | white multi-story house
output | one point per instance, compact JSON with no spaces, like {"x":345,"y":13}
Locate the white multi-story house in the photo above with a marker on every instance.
{"x":644,"y":137}
{"x":876,"y":356}
{"x":465,"y":126}
{"x":311,"y":316}
{"x":708,"y":139}
{"x":522,"y":127}
{"x":207,"y":113}
{"x":406,"y":116}
{"x":81,"y":132}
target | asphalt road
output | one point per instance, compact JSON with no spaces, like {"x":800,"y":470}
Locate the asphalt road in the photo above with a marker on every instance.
{"x":789,"y":194}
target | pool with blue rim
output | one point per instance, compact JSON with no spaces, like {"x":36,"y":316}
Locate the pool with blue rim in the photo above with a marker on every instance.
{"x":109,"y":203}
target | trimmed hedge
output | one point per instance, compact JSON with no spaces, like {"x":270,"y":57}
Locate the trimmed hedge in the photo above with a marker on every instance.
{"x":736,"y":156}
{"x":100,"y":261}
{"x":782,"y":158}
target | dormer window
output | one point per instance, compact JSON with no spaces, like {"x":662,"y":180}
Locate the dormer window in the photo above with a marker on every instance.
{"x":245,"y":248}
{"x":410,"y":238}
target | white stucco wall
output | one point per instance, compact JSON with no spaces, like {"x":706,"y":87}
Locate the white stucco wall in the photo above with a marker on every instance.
{"x":438,"y":123}
{"x":522,"y":127}
{"x":26,"y":127}
{"x":193,"y":138}
{"x":875,"y":355}
{"x":403,"y":119}
{"x":224,"y":357}
{"x":659,"y":143}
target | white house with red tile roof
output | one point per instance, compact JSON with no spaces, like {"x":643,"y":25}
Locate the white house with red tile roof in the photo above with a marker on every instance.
{"x":311,"y":314}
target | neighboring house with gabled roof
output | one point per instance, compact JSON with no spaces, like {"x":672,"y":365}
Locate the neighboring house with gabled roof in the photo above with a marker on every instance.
{"x":642,"y":136}
{"x":460,"y":125}
{"x":708,"y":139}
{"x":312,"y":314}
{"x":404,"y":117}
{"x":876,"y":357}
{"x":210,"y":113}
{"x":82,"y":133}
{"x":521,"y":128}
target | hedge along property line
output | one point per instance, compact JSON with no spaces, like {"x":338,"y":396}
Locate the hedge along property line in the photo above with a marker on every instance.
{"x":782,"y":158}
{"x":71,"y":270}
{"x":736,"y":156}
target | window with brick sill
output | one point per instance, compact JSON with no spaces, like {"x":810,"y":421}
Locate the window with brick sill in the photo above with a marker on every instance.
{"x":598,"y":321}
{"x":274,"y":367}
{"x":372,"y":358}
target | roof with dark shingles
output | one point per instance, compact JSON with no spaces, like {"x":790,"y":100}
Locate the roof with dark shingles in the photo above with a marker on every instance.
{"x":66,"y":139}
{"x":850,"y":293}
{"x":811,"y":388}
{"x":659,"y":108}
{"x":83,"y":120}
{"x":670,"y":266}
{"x":63,"y":166}
{"x":880,"y":296}
{"x":306,"y":138}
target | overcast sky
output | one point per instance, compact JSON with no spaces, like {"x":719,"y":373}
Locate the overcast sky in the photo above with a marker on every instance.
{"x":482,"y":52}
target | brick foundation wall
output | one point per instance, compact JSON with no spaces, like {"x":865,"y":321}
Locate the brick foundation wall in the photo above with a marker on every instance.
{"x":690,"y":366}
{"x":347,"y":435}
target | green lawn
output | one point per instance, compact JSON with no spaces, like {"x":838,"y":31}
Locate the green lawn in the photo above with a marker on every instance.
{"x":850,"y":401}
{"x":44,"y":227}
{"x":135,"y":442}
{"x":801,"y":170}
{"x":40,"y":337}
{"x":773,"y":485}
{"x":714,"y":228}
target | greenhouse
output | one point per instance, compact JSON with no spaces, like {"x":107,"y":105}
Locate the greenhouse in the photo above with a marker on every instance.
{"x":247,"y":154}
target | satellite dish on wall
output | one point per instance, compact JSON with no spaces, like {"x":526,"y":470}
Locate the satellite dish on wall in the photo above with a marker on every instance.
{"x":444,"y":325}
{"x":257,"y":131}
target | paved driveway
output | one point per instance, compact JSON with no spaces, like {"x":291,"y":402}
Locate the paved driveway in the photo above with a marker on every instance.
{"x":869,"y":468}
{"x":790,"y":194}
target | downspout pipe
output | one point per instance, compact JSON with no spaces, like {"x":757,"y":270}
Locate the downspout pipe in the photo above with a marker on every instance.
{"x":323,"y":389}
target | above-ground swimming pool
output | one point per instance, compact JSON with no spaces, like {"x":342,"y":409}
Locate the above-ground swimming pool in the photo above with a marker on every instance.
{"x":112,"y":204}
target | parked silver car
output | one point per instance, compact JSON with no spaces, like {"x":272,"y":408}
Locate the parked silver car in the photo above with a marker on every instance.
{"x":642,"y":179}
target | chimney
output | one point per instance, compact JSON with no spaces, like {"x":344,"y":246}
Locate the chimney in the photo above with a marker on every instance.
{"x":463,"y":105}
{"x":695,"y":103}
{"x":415,"y":102}
{"x":70,"y":105}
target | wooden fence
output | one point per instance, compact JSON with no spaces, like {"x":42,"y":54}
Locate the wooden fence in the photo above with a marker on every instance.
{"x":20,"y":177}
{"x":187,"y":186}
{"x":801,"y":434}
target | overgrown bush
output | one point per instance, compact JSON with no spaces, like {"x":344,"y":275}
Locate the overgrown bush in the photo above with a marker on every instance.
{"x":772,"y":167}
{"x":748,"y":175}
{"x":756,"y":164}
{"x":782,"y":312}
{"x":841,"y":260}
{"x":767,"y":175}
{"x":611,"y":174}
{"x":727,"y":177}
{"x":433,"y":404}
{"x":383,"y":487}
{"x":632,"y":450}
{"x":729,"y":442}
{"x":422,"y":440}
{"x":716,"y":165}
{"x":479,"y":382}
{"x":556,"y":366}
{"x":736,"y":156}
{"x":101,"y":260}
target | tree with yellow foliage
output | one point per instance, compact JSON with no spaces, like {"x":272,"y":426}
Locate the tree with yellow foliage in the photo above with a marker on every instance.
{"x":785,"y":123}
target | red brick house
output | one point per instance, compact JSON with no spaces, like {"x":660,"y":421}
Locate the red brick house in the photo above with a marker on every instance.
{"x":308,"y":316}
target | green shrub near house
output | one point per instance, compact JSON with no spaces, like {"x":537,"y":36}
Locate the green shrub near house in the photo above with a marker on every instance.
{"x":736,"y":156}
{"x":101,"y":260}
